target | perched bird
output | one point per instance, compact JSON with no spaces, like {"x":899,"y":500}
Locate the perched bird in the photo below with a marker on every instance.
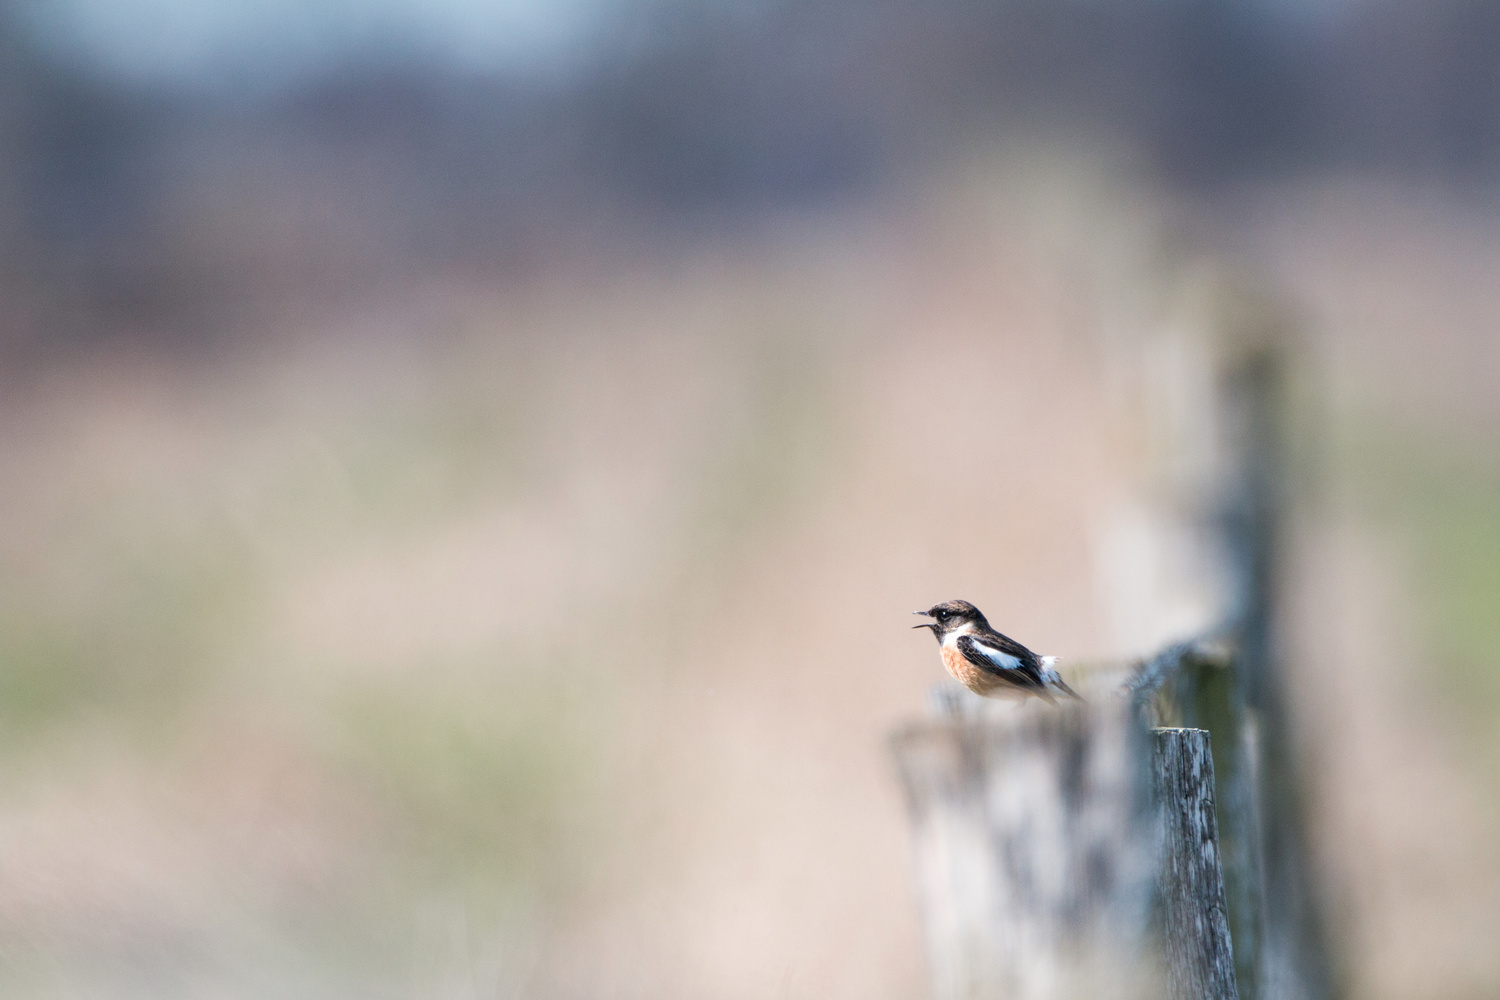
{"x":988,"y":663}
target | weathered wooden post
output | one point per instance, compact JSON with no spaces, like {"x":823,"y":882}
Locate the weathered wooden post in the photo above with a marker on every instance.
{"x":1035,"y":854}
{"x":1195,"y":684}
{"x":1034,"y":850}
{"x":1197,"y":954}
{"x":1238,"y":692}
{"x":1290,"y":957}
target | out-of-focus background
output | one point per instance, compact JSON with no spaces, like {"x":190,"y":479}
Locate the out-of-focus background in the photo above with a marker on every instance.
{"x":466,"y":469}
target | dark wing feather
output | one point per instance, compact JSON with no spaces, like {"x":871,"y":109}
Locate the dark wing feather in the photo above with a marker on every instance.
{"x":1062,"y":686}
{"x":1027,"y":672}
{"x":1008,"y":646}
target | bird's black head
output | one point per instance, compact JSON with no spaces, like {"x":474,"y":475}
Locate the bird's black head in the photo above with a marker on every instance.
{"x":951,"y":616}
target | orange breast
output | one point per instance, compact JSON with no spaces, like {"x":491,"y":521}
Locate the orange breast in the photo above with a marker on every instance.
{"x":967,"y":674}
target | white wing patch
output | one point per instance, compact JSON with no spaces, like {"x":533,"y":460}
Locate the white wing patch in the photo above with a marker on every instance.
{"x":1002,"y":661}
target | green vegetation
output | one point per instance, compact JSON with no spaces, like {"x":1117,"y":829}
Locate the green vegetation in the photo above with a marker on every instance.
{"x":165,"y":620}
{"x":481,"y":781}
{"x":1439,"y":495}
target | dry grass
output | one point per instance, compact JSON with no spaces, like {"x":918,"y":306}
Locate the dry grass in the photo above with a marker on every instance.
{"x":541,"y":641}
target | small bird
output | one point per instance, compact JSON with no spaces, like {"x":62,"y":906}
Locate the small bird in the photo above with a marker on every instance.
{"x":988,"y":663}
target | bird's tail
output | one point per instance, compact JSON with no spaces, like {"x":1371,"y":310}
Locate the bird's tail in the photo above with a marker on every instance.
{"x":1054,"y":680}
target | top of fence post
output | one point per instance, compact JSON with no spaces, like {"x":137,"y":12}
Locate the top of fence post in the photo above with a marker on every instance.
{"x":1033,"y":849}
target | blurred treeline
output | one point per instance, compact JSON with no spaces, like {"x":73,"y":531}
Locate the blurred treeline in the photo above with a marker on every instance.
{"x":145,"y":202}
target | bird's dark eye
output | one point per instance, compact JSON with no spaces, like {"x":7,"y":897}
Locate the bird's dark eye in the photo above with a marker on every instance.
{"x":940,"y":615}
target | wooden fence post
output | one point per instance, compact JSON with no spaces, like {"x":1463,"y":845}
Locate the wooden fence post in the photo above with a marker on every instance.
{"x":1195,"y":684}
{"x":1034,"y":853}
{"x":1033,"y":860}
{"x":1199,"y":959}
{"x":1288,"y":951}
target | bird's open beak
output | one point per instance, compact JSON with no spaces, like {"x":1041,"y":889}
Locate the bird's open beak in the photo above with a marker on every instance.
{"x":924,"y":624}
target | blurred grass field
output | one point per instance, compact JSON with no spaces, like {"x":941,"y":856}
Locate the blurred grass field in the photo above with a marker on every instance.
{"x":539,"y":638}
